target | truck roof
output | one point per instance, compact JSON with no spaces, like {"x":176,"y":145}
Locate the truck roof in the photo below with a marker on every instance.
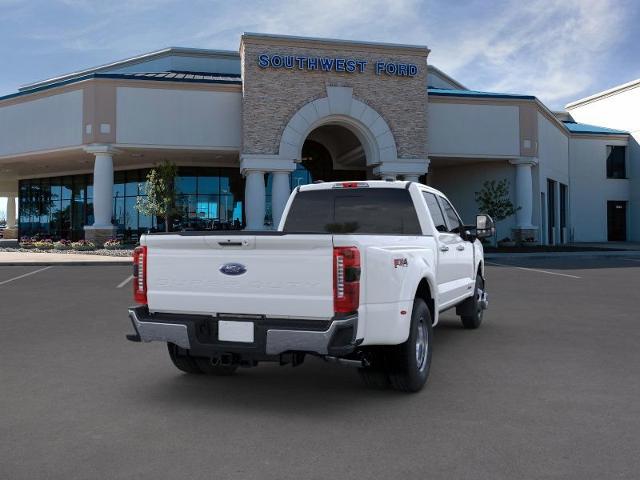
{"x":365,"y":184}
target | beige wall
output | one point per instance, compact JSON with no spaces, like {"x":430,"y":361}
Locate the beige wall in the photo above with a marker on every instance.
{"x":272,"y":96}
{"x":49,"y":122}
{"x":460,"y":129}
{"x":169,"y":117}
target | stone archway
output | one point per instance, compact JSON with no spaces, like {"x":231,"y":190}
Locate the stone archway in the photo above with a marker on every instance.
{"x":340,"y":108}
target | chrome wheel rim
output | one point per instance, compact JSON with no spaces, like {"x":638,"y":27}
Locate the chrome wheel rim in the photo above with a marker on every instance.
{"x":479,"y":294}
{"x":422,"y":345}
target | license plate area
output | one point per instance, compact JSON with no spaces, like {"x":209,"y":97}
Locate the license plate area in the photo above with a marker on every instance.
{"x":235,"y":331}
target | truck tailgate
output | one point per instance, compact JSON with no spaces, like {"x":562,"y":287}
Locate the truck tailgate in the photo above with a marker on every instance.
{"x":277,"y":274}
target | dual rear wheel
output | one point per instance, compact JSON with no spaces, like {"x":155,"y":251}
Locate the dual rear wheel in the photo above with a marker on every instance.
{"x":404,"y":367}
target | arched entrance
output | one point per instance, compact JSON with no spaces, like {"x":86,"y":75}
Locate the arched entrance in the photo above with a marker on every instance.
{"x":332,"y":152}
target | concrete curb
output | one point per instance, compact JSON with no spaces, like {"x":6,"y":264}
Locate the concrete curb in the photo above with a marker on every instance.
{"x":596,"y":254}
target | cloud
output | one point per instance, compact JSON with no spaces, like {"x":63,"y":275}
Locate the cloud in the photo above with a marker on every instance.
{"x":555,"y":49}
{"x":547,"y":48}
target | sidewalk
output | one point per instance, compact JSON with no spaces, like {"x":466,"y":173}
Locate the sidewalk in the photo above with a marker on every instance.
{"x":32,"y":258}
{"x":593,"y":253}
{"x":616,"y":245}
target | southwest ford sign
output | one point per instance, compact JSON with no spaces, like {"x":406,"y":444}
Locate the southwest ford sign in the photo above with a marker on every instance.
{"x":331,"y":64}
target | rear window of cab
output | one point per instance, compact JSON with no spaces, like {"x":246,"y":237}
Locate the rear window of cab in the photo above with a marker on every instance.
{"x":353,"y":210}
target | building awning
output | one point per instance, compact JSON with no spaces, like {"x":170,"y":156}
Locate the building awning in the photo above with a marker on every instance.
{"x":575,"y":127}
{"x":475,"y":93}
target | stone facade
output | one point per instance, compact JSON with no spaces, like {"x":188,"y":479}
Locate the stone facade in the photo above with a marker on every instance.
{"x":272,"y":96}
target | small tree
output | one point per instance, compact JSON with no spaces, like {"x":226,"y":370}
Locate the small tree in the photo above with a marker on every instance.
{"x":160,"y":193}
{"x":494,"y":200}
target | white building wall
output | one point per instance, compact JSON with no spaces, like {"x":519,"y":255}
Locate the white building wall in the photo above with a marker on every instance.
{"x":457,"y":129}
{"x":553,"y":164}
{"x":43,"y":124}
{"x":590,"y":189}
{"x":460,"y":182}
{"x":620,"y":110}
{"x":189,"y":118}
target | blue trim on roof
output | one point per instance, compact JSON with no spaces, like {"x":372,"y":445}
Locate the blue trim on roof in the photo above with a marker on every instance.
{"x":575,"y":127}
{"x":444,"y":92}
{"x":226,"y":79}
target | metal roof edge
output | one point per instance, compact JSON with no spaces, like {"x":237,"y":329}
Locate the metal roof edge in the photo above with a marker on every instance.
{"x":122,"y":76}
{"x":446,"y":76}
{"x":131,"y":61}
{"x":477,"y":94}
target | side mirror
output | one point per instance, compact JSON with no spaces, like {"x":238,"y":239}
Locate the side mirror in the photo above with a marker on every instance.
{"x":484,"y":226}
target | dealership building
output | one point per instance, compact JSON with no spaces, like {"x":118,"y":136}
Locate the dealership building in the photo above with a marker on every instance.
{"x":246,"y":127}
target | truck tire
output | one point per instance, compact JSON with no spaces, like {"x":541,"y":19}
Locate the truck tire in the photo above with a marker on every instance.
{"x":181,"y":360}
{"x":474,"y":320}
{"x":208,"y":368}
{"x":408,"y":363}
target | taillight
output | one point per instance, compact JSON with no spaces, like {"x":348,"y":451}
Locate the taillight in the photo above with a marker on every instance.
{"x":346,"y":279}
{"x":140,"y":275}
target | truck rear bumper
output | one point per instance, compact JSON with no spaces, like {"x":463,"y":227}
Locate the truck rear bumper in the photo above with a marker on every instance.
{"x":272,"y":337}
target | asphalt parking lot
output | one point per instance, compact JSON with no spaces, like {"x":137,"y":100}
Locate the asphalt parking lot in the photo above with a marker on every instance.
{"x":548,"y":387}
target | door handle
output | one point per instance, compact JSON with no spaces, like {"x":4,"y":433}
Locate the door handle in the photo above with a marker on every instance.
{"x":444,"y":248}
{"x":460,"y":248}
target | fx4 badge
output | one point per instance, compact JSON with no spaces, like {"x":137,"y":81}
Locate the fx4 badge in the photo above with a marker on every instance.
{"x":400,"y":262}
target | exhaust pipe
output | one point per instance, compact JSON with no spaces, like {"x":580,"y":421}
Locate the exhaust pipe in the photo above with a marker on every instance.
{"x":345,"y":362}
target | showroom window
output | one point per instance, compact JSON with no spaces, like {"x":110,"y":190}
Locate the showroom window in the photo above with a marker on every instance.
{"x":60,"y":207}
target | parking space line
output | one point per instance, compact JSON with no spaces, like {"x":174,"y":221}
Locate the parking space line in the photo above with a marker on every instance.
{"x":125,"y":281}
{"x":533,"y":270}
{"x":25,"y":275}
{"x":633,"y":259}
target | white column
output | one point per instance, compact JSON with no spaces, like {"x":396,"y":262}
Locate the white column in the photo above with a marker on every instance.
{"x":103,"y":190}
{"x":524,"y":192}
{"x":408,"y":168}
{"x":254,"y":199}
{"x":279,"y":195}
{"x":11,"y":211}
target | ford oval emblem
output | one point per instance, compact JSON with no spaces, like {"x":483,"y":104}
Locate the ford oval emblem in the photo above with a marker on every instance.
{"x":233,"y":269}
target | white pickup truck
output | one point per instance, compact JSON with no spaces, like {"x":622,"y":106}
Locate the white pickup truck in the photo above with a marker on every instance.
{"x":357,"y":272}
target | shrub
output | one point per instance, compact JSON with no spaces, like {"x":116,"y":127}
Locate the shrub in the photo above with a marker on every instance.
{"x":26,"y":242}
{"x":43,"y":244}
{"x":62,"y":245}
{"x":83,"y":245}
{"x":113,"y":244}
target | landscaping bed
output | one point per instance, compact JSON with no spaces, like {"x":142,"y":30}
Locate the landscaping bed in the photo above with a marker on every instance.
{"x":123,"y":252}
{"x":111,"y":248}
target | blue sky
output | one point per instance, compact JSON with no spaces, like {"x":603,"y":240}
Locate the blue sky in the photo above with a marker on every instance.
{"x":558,"y":50}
